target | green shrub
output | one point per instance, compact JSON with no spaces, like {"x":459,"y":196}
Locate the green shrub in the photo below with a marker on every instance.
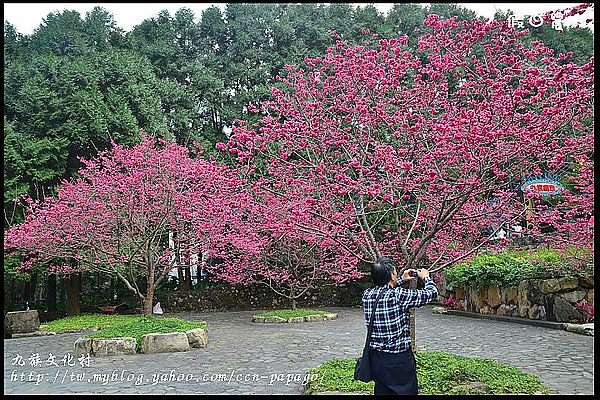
{"x":167,"y":287}
{"x":299,"y":312}
{"x":508,"y":268}
{"x":437,"y":373}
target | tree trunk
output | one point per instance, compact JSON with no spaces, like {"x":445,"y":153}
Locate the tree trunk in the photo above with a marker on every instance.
{"x":181,"y":277}
{"x":72,"y":285}
{"x":33,"y":286}
{"x":293,"y":297}
{"x":187,"y":277}
{"x":413,"y":340}
{"x":149,"y":298}
{"x":51,"y":294}
{"x":27,"y":291}
{"x":147,"y":310}
{"x":112,"y":288}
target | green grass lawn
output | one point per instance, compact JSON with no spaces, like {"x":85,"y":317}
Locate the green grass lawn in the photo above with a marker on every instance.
{"x":87,"y":321}
{"x":299,"y":312}
{"x":437,"y":373}
{"x":112,"y":326}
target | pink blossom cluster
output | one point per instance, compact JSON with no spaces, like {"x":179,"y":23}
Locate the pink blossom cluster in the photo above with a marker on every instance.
{"x":451,"y":303}
{"x":134,"y":212}
{"x":587,"y":309}
{"x":413,"y":154}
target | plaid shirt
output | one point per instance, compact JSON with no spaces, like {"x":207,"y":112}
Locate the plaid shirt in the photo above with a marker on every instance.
{"x":391,"y":329}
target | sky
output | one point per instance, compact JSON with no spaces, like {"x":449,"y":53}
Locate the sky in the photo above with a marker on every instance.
{"x":28,"y":16}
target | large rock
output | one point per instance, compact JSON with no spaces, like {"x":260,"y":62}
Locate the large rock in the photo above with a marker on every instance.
{"x":550,"y":286}
{"x":330,"y":316}
{"x":493,"y":296}
{"x":293,"y":320}
{"x":537,"y":312}
{"x":83,"y":346}
{"x":574,"y":296}
{"x":535,"y":294}
{"x":567,"y":283}
{"x":565,"y":311}
{"x":439,"y":310}
{"x":513,"y":310}
{"x":510,"y":295}
{"x":522,"y":290}
{"x":459,"y":294}
{"x":113,"y":347}
{"x":256,"y":318}
{"x":21,"y":322}
{"x":275,"y":319}
{"x":590,"y":297}
{"x":486,"y":310}
{"x":31,"y":334}
{"x":584,"y":329}
{"x":478,"y":296}
{"x":165,"y":342}
{"x":523,"y":310}
{"x":507,"y":310}
{"x":197,"y":337}
{"x":586,"y":282}
{"x":314,"y":318}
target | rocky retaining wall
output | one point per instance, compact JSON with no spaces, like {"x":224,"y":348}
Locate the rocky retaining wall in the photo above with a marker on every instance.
{"x":549,"y":299}
{"x":258,"y":297}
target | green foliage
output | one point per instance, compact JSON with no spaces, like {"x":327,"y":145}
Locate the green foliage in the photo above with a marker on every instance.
{"x":58,"y":109}
{"x":12,"y":271}
{"x":167,"y":287}
{"x":438,"y":373}
{"x":337,"y":375}
{"x":112,"y":326}
{"x":10,"y":268}
{"x":579,"y":41}
{"x":299,"y":312}
{"x":508,"y":268}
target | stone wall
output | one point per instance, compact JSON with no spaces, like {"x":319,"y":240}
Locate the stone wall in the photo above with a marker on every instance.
{"x":259,"y":297}
{"x":550,"y":299}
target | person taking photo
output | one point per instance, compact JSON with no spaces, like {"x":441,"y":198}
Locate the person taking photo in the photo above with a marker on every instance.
{"x":393,"y":366}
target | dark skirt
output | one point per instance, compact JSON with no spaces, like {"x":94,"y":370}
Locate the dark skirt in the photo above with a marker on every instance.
{"x":394,"y":373}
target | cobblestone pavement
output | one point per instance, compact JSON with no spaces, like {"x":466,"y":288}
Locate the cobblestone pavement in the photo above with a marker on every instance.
{"x":256,"y":358}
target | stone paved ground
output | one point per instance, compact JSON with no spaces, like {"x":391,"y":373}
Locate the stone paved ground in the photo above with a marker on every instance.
{"x":252,"y":358}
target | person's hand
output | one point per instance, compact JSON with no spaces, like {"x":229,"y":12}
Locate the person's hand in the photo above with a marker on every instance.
{"x":406,"y":275}
{"x":423,"y":273}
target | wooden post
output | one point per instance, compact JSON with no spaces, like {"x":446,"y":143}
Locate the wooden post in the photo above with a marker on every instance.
{"x":529,"y":213}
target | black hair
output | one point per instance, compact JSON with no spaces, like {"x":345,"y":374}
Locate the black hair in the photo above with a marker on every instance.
{"x":381,"y":271}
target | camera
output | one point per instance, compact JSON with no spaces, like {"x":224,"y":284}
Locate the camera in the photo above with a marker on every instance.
{"x":413,"y":273}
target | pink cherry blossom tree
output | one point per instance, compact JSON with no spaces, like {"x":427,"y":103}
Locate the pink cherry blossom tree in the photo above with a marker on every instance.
{"x":288,"y":259}
{"x":412,"y":154}
{"x":118,"y":215}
